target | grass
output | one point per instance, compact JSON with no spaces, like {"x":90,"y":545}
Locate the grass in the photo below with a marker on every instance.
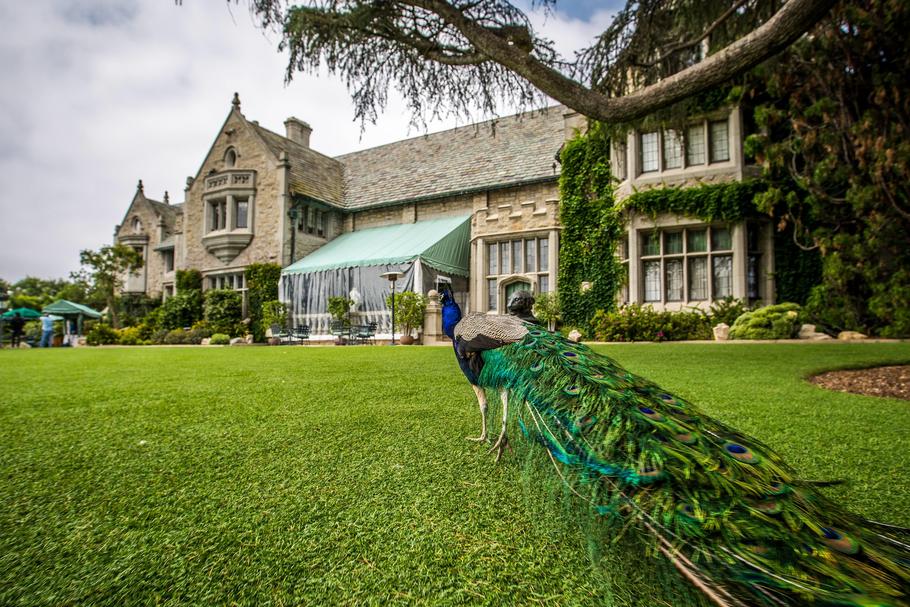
{"x":281,"y":476}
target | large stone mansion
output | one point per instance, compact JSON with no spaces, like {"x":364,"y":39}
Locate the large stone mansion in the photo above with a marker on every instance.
{"x":260,"y":196}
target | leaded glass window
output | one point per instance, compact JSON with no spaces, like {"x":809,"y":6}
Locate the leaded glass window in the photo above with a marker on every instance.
{"x":649,"y":152}
{"x":695,"y":145}
{"x":672,"y":150}
{"x":652,"y":280}
{"x":720,"y":141}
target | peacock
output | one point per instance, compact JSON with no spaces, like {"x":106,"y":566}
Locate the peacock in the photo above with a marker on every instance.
{"x":728,"y":513}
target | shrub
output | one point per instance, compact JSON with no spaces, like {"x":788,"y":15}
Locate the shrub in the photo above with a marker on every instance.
{"x":223,"y":311}
{"x":220,"y":339}
{"x":181,"y":310}
{"x":339,"y":306}
{"x":727,"y":310}
{"x":547,"y":310}
{"x":273,"y":313}
{"x":262,"y":286}
{"x":101,"y":335}
{"x":130,"y":336}
{"x":409,"y":310}
{"x":642,"y":323}
{"x":780,"y":321}
{"x":175,"y":337}
{"x":189,"y":280}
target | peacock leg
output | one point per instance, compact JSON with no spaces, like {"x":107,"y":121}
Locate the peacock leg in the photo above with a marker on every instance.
{"x":482,"y":403}
{"x":502,"y":443}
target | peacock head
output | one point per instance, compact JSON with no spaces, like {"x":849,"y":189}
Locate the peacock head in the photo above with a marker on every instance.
{"x":451,"y":313}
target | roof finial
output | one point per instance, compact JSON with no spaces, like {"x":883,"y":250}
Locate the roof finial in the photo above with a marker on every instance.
{"x":139,"y":186}
{"x":236,"y":102}
{"x":167,"y":199}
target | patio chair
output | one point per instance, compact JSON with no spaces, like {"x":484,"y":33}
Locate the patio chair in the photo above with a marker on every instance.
{"x":280,"y":333}
{"x":302,"y":333}
{"x":341,"y":330}
{"x":365,"y":333}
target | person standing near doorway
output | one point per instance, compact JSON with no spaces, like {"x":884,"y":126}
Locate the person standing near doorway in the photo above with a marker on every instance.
{"x":17,"y":324}
{"x":47,"y":330}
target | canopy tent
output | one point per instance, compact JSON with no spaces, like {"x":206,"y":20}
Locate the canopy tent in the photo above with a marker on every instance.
{"x":26,"y":313}
{"x":351,"y":265}
{"x":71,"y":311}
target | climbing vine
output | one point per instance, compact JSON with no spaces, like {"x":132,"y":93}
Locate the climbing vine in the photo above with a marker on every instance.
{"x":591,"y":227}
{"x":593,"y":224}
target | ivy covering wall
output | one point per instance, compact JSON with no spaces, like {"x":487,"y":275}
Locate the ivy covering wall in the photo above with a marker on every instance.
{"x":262,"y":286}
{"x":593,"y":224}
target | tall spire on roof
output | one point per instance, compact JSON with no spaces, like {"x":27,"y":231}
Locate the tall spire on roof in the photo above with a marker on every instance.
{"x":236,"y":102}
{"x":139,"y":187}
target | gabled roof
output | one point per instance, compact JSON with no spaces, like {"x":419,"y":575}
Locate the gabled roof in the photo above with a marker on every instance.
{"x":496,"y":153}
{"x":162,"y":209}
{"x":312,"y":174}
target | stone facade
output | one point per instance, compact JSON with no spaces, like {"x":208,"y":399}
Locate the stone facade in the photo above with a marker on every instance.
{"x":261,"y":197}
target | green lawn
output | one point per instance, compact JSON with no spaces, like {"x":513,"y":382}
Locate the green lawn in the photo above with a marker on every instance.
{"x":281,"y":476}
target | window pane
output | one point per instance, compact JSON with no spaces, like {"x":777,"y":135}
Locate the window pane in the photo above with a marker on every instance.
{"x":720,"y":239}
{"x":623,"y":251}
{"x":698,"y":278}
{"x":752,"y":277}
{"x":674,"y":270}
{"x":720,"y":145}
{"x":320,"y":222}
{"x":624,"y":293}
{"x":223,"y":222}
{"x":673,"y":243}
{"x":516,"y":256}
{"x":491,"y":294}
{"x":531,"y":255}
{"x":243,"y":207}
{"x":672,"y":150}
{"x":650,"y":243}
{"x":544,"y":257}
{"x":504,"y":257}
{"x":695,"y":145}
{"x":492,"y":259}
{"x":544,"y":283}
{"x":648,"y":152}
{"x":215,"y":211}
{"x":652,"y":280}
{"x":697,"y":241}
{"x":723,"y":276}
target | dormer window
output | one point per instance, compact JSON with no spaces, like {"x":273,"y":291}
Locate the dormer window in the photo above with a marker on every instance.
{"x":230,"y":158}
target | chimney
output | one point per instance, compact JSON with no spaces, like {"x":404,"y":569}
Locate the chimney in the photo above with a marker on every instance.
{"x":298,"y":131}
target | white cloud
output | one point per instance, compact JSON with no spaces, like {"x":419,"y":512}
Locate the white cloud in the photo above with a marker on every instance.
{"x":96,"y":94}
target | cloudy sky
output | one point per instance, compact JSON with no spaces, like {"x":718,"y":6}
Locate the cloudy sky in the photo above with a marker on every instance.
{"x":96,"y":94}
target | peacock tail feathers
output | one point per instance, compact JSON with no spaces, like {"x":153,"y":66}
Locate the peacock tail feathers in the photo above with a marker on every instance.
{"x":723,"y":506}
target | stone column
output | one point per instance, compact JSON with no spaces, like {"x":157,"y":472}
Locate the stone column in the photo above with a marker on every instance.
{"x":432,"y":321}
{"x":478,"y":278}
{"x":553,"y":259}
{"x":229,"y":212}
{"x":740,"y":260}
{"x":634,"y":265}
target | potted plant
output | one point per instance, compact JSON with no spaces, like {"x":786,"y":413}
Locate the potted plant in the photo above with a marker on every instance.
{"x":339,"y":307}
{"x":409,"y":310}
{"x":546,"y":309}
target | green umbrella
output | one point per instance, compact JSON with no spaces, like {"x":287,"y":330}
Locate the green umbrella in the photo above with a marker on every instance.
{"x":27,"y":313}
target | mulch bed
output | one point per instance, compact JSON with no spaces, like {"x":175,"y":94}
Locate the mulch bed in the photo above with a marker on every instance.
{"x":893,"y":382}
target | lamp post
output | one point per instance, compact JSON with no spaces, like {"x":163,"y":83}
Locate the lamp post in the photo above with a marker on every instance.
{"x":392,"y":277}
{"x":4,"y":297}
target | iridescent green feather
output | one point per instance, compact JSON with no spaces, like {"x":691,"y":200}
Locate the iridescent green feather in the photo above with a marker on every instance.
{"x":723,"y":499}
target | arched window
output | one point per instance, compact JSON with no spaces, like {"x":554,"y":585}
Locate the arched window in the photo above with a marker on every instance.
{"x":137,"y":226}
{"x":230,"y":158}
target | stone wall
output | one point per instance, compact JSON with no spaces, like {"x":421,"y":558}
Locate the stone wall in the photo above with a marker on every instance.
{"x":148,"y":279}
{"x":267,"y":219}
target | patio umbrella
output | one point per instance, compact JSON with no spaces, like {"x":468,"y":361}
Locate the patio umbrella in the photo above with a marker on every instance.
{"x":26,"y":313}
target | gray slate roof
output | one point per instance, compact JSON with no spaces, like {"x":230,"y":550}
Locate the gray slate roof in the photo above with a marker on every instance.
{"x":520,"y":148}
{"x":312,"y":174}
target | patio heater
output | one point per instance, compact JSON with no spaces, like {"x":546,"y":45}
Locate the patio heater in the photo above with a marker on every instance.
{"x":4,"y":297}
{"x":392,"y":277}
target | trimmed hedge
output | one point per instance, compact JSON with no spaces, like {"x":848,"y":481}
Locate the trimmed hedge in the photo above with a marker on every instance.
{"x":780,"y":321}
